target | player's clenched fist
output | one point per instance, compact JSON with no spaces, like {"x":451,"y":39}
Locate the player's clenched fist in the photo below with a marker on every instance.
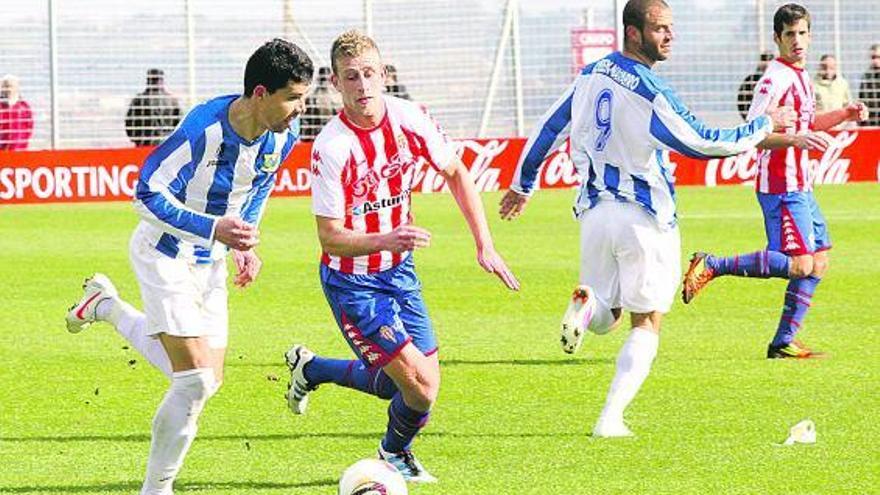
{"x":406,"y":238}
{"x":236,"y":233}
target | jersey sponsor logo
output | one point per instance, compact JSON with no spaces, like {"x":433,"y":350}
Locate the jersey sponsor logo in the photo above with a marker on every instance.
{"x":271,"y":162}
{"x":399,"y":164}
{"x":379,"y":204}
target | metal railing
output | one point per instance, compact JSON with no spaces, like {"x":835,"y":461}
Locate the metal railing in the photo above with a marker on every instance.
{"x":483,"y":67}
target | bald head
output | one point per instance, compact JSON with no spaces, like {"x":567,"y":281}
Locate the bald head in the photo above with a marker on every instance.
{"x":9,"y":88}
{"x":648,"y":32}
{"x":635,"y":12}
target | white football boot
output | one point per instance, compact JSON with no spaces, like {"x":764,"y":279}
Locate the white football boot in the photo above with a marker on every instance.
{"x":408,"y":466}
{"x":96,"y":288}
{"x":577,"y":318}
{"x":298,"y":387}
{"x":611,"y":429}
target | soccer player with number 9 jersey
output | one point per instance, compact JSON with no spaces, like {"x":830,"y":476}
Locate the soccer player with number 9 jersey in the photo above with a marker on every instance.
{"x":622,"y":118}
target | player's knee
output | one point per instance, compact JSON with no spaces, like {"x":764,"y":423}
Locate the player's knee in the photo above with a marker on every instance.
{"x":820,"y":266}
{"x":431,"y":386}
{"x":196,"y":385}
{"x":420,"y":391}
{"x":800,"y":266}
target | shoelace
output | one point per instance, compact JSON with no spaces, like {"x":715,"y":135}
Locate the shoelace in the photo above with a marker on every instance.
{"x":409,"y":460}
{"x":701,"y":279}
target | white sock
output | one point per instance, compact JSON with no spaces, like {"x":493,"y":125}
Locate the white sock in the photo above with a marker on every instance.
{"x":175,"y":426}
{"x":633,"y":366}
{"x":603,"y":318}
{"x":132,"y":325}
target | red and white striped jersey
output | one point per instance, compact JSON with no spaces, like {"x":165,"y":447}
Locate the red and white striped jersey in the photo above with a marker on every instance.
{"x":364,"y":176}
{"x":785,"y":169}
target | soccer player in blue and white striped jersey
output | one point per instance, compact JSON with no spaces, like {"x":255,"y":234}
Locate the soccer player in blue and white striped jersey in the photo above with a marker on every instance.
{"x":200,"y":192}
{"x":622,"y":119}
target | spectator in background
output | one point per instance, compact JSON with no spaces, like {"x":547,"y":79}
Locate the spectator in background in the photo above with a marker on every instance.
{"x":392,"y":87}
{"x":152,"y":114}
{"x":321,"y":106}
{"x":747,"y":88}
{"x":16,"y":119}
{"x":869,"y":90}
{"x":832,"y":90}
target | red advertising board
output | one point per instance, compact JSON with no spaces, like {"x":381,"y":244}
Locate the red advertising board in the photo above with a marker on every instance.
{"x":111,"y":174}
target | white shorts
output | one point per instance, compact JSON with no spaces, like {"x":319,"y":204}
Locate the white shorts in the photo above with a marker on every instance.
{"x":181,"y":298}
{"x":628,"y":260}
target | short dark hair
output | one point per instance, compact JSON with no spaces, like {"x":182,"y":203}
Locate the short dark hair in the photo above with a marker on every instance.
{"x":636,"y":11}
{"x":275,"y":64}
{"x":825,"y":57}
{"x":787,"y":15}
{"x":155,"y":77}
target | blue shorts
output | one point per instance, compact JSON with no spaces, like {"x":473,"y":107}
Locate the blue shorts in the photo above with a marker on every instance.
{"x":380,"y":313}
{"x":793,"y":223}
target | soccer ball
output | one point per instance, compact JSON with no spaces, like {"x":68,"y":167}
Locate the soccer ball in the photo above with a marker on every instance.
{"x":372,"y":477}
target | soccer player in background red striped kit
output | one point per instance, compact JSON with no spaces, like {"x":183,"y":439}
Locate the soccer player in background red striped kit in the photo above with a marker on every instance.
{"x":797,"y":235}
{"x":363,"y":167}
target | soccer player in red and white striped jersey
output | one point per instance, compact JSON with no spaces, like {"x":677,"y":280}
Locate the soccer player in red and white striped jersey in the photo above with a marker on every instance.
{"x":364,"y":163}
{"x":797,"y":235}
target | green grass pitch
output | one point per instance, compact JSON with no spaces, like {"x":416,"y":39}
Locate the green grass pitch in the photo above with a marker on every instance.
{"x":514,"y":413}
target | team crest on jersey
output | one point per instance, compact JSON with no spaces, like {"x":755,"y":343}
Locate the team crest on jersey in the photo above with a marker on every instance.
{"x":401,"y":141}
{"x":271,"y":162}
{"x":387,"y":333}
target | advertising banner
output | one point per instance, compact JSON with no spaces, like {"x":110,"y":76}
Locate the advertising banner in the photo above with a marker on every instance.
{"x":111,"y":174}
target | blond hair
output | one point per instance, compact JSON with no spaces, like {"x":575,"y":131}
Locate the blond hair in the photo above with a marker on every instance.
{"x":351,"y":43}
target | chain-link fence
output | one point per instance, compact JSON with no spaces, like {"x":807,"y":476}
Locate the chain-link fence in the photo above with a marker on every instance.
{"x":487,"y":67}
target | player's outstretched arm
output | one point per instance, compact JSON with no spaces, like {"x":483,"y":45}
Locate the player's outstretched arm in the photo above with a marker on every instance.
{"x":462,"y":187}
{"x":675,"y":128}
{"x":855,"y":111}
{"x":336,"y":240}
{"x":549,"y":134}
{"x":818,"y":141}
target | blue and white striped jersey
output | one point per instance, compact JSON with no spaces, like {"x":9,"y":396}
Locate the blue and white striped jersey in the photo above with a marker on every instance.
{"x":202,"y":171}
{"x":621,"y":116}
